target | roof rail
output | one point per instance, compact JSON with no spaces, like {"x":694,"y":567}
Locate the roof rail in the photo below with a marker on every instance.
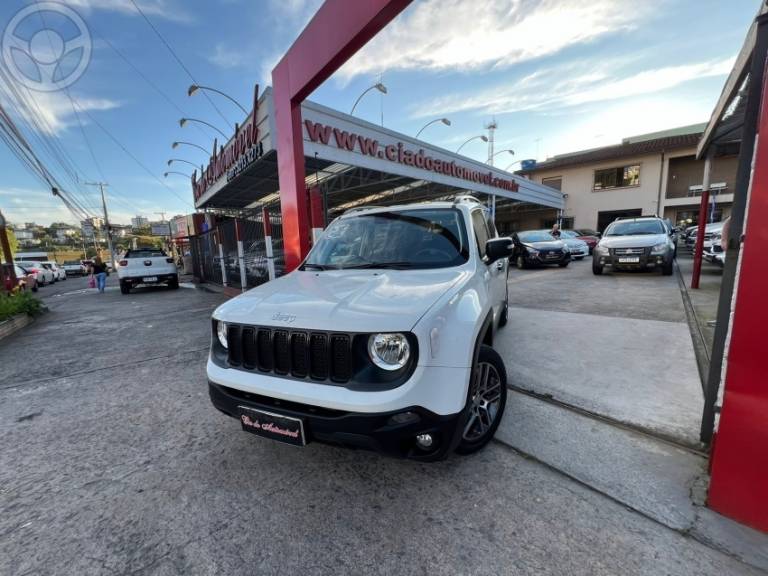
{"x":465,"y":198}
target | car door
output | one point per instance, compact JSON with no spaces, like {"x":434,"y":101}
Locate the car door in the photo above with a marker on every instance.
{"x":496,"y":271}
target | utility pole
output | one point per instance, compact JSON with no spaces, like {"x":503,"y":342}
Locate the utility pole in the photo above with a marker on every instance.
{"x":162,"y":216}
{"x":106,"y":221}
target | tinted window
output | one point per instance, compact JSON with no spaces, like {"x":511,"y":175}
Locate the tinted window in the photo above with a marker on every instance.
{"x":535,"y":236}
{"x":482,"y":233}
{"x":397,"y":239}
{"x":634,"y":227}
{"x":148,"y":253}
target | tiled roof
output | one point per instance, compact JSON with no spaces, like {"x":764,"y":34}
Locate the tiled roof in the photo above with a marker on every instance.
{"x":623,"y":150}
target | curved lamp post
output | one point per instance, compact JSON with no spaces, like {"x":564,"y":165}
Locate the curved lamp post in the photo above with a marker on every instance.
{"x":172,"y":160}
{"x":165,"y":174}
{"x":378,"y":86}
{"x":183,"y":121}
{"x":176,"y":145}
{"x":195,"y":87}
{"x":481,"y":137}
{"x":443,"y":120}
{"x":513,"y":163}
{"x":501,"y":152}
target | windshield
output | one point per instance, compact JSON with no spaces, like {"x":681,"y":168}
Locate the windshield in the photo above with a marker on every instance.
{"x":402,"y":239}
{"x":568,"y":234}
{"x":147,"y":253}
{"x":72,"y":262}
{"x":635,"y":228}
{"x":535,"y":236}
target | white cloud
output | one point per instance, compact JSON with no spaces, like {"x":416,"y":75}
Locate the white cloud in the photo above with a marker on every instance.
{"x":226,"y":57}
{"x":569,"y":85}
{"x":161,"y":8}
{"x":53,"y":110}
{"x":458,"y":35}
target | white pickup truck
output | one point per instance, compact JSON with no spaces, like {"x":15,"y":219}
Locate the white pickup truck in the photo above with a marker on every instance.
{"x":146,"y":266}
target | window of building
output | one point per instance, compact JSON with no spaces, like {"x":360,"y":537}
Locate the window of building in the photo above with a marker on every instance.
{"x":620,"y":177}
{"x":555,"y":182}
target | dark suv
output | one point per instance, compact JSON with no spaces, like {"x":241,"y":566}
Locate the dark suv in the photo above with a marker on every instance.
{"x":635,"y":243}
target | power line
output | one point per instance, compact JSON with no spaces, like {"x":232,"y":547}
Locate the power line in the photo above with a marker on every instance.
{"x":176,"y":57}
{"x":124,"y":149}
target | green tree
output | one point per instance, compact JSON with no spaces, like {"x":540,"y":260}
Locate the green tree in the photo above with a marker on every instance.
{"x":12,"y":241}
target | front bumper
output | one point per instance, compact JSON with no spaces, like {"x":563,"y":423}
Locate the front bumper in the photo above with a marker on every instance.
{"x":377,"y":431}
{"x":551,"y":258}
{"x":644,"y":261}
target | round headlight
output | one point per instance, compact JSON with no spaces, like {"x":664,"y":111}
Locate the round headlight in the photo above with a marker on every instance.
{"x":389,"y":351}
{"x":221,"y":332}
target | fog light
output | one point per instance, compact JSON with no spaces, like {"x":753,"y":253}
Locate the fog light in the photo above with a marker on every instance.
{"x":403,"y":418}
{"x":424,"y":441}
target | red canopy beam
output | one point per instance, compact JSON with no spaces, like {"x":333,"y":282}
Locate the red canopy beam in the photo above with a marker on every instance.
{"x":338,"y":30}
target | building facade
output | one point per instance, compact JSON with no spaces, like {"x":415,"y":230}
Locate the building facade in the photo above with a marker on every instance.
{"x":650,"y":174}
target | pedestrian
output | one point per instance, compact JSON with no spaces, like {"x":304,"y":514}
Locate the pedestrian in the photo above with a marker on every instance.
{"x":555,"y":231}
{"x":99,"y":270}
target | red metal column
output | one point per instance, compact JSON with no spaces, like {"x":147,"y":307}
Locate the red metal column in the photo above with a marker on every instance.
{"x":739,"y":486}
{"x":698,"y":249}
{"x":338,"y":30}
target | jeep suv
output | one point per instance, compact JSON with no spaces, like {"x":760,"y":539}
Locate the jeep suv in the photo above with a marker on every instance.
{"x":381,"y":339}
{"x":635,"y":243}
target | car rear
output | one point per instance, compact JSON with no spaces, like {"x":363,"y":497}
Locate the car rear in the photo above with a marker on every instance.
{"x":147,"y":266}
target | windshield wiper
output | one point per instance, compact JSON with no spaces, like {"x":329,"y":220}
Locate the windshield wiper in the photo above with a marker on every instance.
{"x":385,"y":265}
{"x":310,"y":266}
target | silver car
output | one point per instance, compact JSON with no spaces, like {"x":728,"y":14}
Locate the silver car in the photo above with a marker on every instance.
{"x":635,"y":243}
{"x":579,"y":249}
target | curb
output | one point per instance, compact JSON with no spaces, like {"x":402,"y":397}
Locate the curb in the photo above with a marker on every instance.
{"x":14,"y":324}
{"x":699,"y":345}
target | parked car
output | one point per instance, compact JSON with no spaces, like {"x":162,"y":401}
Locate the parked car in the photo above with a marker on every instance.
{"x":42,"y":274}
{"x":589,"y":236}
{"x":714,"y":252}
{"x":74,"y":268}
{"x":382,"y":338}
{"x":24,"y":280}
{"x":538,"y":248}
{"x":58,"y":271}
{"x":147,"y":266}
{"x":579,"y":248}
{"x":635,"y":243}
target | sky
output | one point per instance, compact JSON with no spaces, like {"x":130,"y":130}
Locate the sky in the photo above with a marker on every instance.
{"x":556,"y":75}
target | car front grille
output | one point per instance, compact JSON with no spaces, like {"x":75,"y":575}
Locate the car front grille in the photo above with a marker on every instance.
{"x":556,"y":253}
{"x":300,"y":354}
{"x":629,"y":251}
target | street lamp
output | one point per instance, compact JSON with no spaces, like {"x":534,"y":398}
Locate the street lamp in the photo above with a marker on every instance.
{"x":443,"y":120}
{"x":165,"y":174}
{"x":378,"y":86}
{"x":513,"y":163}
{"x":481,"y":137}
{"x":172,"y":160}
{"x":183,"y":121}
{"x":500,"y":152}
{"x":194,"y":88}
{"x":176,"y":145}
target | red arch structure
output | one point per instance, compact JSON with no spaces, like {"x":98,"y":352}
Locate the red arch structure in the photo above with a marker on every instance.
{"x":336,"y":32}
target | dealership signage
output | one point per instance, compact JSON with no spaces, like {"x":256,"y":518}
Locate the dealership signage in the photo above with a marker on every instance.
{"x":160,"y":228}
{"x":400,"y":153}
{"x":230,"y":160}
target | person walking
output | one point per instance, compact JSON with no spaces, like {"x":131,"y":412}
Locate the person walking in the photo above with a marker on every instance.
{"x":555,"y":231}
{"x":99,"y":270}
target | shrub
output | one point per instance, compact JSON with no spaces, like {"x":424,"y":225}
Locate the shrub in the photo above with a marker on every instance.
{"x":19,"y":303}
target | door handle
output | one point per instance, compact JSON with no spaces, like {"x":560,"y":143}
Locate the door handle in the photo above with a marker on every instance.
{"x":500,"y":265}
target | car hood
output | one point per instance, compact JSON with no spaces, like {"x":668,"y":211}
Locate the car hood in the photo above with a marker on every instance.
{"x":638,"y":241}
{"x":546,"y":245}
{"x":343,"y":300}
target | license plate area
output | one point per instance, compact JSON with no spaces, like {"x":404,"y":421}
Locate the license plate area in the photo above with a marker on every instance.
{"x":273,"y":426}
{"x":149,"y":279}
{"x":629,"y":260}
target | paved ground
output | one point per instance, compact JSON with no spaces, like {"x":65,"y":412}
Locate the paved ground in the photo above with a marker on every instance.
{"x":116,"y":463}
{"x":617,"y":345}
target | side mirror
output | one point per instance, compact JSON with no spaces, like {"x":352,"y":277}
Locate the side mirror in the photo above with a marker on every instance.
{"x":498,"y":248}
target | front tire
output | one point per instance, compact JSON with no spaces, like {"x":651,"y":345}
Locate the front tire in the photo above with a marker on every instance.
{"x":520,"y":262}
{"x":597,"y":270}
{"x":668,"y":268}
{"x":486,"y":400}
{"x":564,"y":264}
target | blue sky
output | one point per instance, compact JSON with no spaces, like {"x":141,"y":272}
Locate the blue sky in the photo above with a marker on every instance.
{"x":558,"y":76}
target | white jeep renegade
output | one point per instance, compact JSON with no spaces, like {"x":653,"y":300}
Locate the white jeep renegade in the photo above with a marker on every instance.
{"x":381,"y":339}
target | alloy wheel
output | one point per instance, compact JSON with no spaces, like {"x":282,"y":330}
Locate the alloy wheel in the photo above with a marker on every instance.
{"x":484,"y":402}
